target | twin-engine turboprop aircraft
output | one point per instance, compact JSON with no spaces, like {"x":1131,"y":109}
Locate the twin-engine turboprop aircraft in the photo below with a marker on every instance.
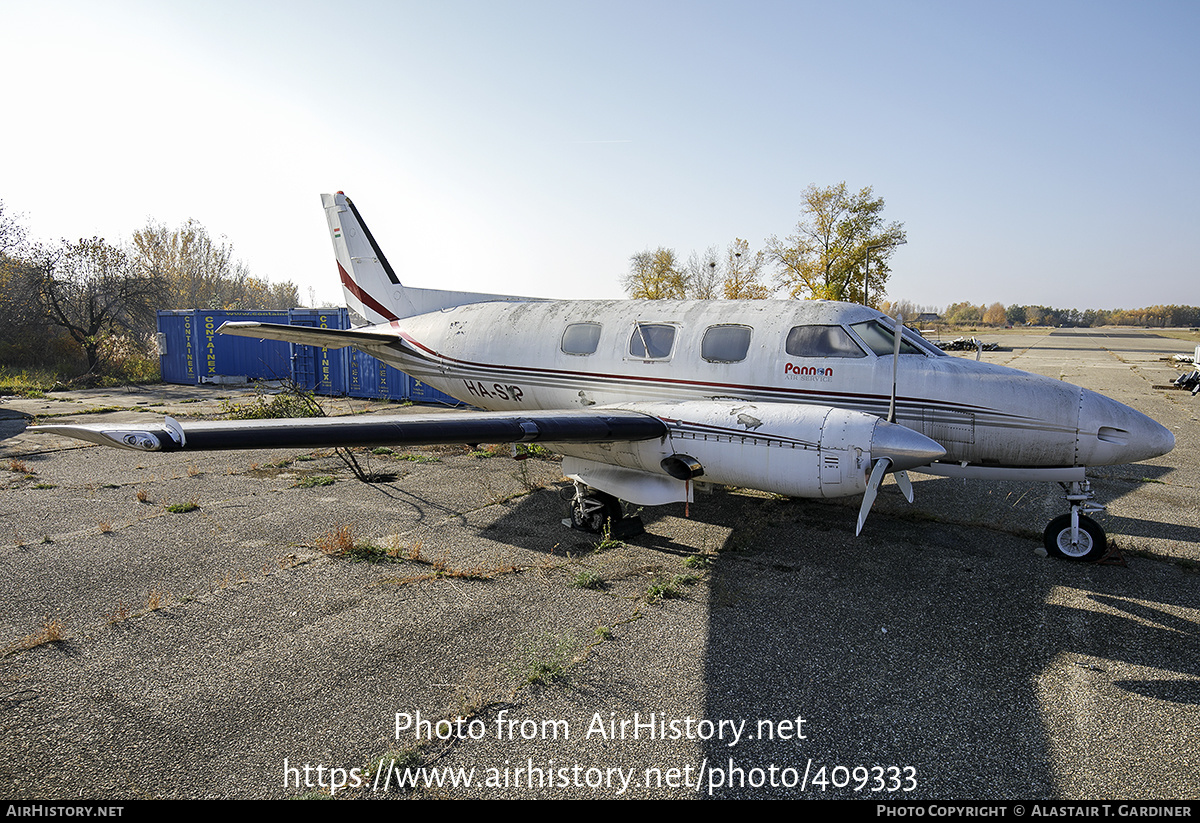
{"x":642,"y":398}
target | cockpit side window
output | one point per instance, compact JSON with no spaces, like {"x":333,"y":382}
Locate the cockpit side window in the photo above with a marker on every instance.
{"x":881,"y":340}
{"x":581,"y":338}
{"x":651,"y":341}
{"x":725,"y":344}
{"x":821,"y":341}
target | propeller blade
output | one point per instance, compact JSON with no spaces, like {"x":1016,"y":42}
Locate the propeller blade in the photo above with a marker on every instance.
{"x":905,"y":484}
{"x":877,"y":473}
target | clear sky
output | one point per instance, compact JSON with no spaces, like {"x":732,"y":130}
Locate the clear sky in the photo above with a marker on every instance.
{"x":1037,"y":152}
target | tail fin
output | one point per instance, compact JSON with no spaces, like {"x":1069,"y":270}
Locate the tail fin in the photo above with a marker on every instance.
{"x":371,"y":287}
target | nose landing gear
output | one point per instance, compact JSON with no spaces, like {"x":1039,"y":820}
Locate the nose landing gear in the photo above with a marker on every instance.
{"x":1076,"y":536}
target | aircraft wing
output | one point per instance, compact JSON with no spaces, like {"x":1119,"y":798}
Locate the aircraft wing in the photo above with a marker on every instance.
{"x":591,"y":426}
{"x":309,"y":335}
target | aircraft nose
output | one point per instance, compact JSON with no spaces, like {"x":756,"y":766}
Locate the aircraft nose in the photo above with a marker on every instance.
{"x":907,"y":449}
{"x":1111,"y":433}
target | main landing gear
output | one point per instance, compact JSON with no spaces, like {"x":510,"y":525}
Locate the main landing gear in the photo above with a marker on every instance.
{"x":598,"y":512}
{"x":1076,"y":536}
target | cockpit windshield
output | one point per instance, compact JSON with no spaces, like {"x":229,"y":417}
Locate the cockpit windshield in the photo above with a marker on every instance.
{"x":879,"y":337}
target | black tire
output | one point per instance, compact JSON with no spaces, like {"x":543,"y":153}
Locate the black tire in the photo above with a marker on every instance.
{"x":1093,"y":543}
{"x":596,"y":520}
{"x":593,"y":519}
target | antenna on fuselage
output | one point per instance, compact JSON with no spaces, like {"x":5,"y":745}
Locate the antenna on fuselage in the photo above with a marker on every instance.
{"x":881,"y":466}
{"x":897,"y":333}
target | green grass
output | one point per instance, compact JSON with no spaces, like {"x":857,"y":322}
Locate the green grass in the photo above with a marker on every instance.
{"x":182,"y":508}
{"x":265,"y":406}
{"x":28,"y":382}
{"x":366,"y":552}
{"x":587,"y":579}
{"x":546,"y":660}
{"x":418,"y":458}
{"x":668,"y":589}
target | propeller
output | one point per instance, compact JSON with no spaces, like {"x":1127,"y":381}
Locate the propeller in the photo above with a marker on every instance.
{"x":877,"y":472}
{"x":904,"y":445}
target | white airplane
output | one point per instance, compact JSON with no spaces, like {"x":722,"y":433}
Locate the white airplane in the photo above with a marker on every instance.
{"x":643,"y":398}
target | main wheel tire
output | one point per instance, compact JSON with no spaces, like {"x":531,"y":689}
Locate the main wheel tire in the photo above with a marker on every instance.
{"x":594,"y":512}
{"x":588,"y":514}
{"x":1092,"y":545}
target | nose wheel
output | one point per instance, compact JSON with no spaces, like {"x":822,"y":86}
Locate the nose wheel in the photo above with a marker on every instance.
{"x":1076,"y":536}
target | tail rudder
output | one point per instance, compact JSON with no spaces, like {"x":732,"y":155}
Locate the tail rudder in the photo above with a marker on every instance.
{"x":371,"y":287}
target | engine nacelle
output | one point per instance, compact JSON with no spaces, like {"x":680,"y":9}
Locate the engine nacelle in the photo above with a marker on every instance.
{"x":794,"y":450}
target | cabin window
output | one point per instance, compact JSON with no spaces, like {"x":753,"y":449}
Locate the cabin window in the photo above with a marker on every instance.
{"x":725,"y":344}
{"x":880,"y":339}
{"x":821,"y":341}
{"x":651,"y":341}
{"x":581,"y":338}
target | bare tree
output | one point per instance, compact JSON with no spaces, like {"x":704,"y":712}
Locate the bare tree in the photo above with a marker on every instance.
{"x":202,"y":273}
{"x":12,"y":233}
{"x":743,"y":273}
{"x":95,"y":291}
{"x":703,"y":274}
{"x":24,"y":334}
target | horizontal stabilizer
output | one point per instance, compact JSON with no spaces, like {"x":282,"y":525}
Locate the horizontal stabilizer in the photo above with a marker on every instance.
{"x":592,"y":426}
{"x":308,"y":335}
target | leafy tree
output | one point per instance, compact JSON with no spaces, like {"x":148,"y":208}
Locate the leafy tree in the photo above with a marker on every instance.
{"x":964,"y":314}
{"x":95,"y":292}
{"x":201,"y":273}
{"x":827,"y":255}
{"x":743,"y":273}
{"x":995,"y":315}
{"x":655,"y":275}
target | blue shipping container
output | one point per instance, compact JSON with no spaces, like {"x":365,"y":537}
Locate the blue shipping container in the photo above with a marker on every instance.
{"x":192,"y":352}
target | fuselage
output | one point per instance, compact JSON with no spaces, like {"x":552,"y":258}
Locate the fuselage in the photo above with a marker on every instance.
{"x":579,"y":354}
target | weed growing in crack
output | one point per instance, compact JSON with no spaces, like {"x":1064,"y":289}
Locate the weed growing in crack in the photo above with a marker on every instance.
{"x":587,"y":579}
{"x":121,"y":612}
{"x":337,"y":542}
{"x":52,"y":631}
{"x":668,"y":589}
{"x":546,"y":660}
{"x":156,"y":600}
